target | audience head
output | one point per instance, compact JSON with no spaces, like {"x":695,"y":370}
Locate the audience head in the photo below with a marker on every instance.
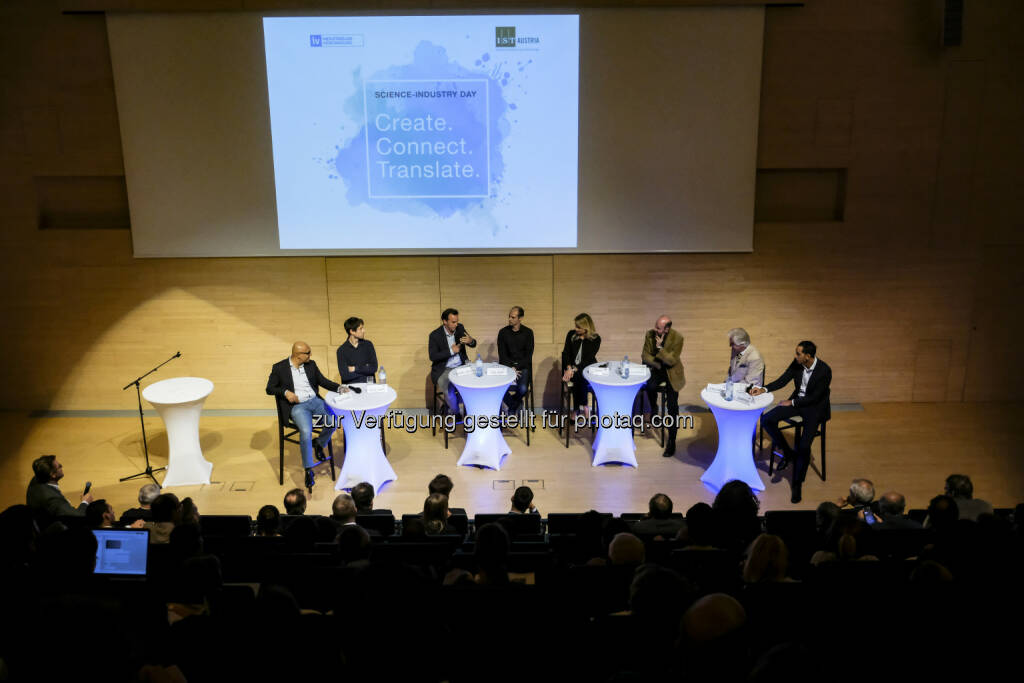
{"x":413,"y":527}
{"x":99,"y":515}
{"x":738,"y":339}
{"x":188,"y":512}
{"x":825,"y":516}
{"x":295,"y":502}
{"x":46,"y":469}
{"x":353,"y":544}
{"x":700,"y":525}
{"x":892,"y":504}
{"x":362,"y":496}
{"x":659,"y":506}
{"x":658,"y":596}
{"x":626,"y":548}
{"x":585,"y":326}
{"x":68,"y":553}
{"x":17,"y":535}
{"x":268,"y":521}
{"x":862,"y":492}
{"x":343,"y":510}
{"x":165,"y":507}
{"x":736,"y":515}
{"x":435,"y":513}
{"x":943,"y":513}
{"x":712,"y":618}
{"x":767,"y":560}
{"x":186,"y":541}
{"x":522,"y":499}
{"x":147,"y":494}
{"x":959,"y":486}
{"x":491,"y":552}
{"x":300,"y":535}
{"x":442,"y":483}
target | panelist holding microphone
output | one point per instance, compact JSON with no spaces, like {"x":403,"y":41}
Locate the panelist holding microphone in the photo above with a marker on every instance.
{"x":446,"y":347}
{"x":809,"y":400}
{"x":295,"y":382}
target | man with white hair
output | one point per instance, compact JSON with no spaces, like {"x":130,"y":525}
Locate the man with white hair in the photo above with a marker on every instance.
{"x":745,"y":363}
{"x":147,"y":494}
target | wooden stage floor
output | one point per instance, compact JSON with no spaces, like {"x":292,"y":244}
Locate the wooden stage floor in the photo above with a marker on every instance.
{"x":905,"y":447}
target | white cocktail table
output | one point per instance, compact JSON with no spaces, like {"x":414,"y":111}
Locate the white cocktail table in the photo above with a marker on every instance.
{"x":615,"y":396}
{"x":361,"y":416}
{"x":485,"y":445}
{"x":736,"y":421}
{"x":179,"y":402}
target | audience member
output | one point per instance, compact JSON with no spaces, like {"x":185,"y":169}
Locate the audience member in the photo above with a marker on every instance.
{"x":300,"y":536}
{"x":522,"y":502}
{"x":188,"y":513}
{"x":890,"y":512}
{"x":767,"y":560}
{"x":436,"y":514}
{"x":353,"y":544}
{"x":491,"y":553}
{"x":44,"y":496}
{"x":443,"y":484}
{"x":961,"y":489}
{"x":268,"y":521}
{"x":825,"y":516}
{"x":659,"y":520}
{"x":626,"y":549}
{"x":862,"y":494}
{"x":343,"y":510}
{"x":700,"y":528}
{"x":165,"y":510}
{"x":943,"y":513}
{"x":295,"y":502}
{"x":147,"y":494}
{"x":712,"y":639}
{"x":736,"y":519}
{"x":362,"y":496}
{"x":99,"y":515}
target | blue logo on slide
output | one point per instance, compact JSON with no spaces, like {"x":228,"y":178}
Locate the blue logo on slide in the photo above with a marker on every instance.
{"x":315,"y":40}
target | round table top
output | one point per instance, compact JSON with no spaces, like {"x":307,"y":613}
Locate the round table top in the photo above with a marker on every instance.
{"x":495,"y":375}
{"x":177,"y":390}
{"x":714,"y":396}
{"x":370,"y":398}
{"x":609,"y":375}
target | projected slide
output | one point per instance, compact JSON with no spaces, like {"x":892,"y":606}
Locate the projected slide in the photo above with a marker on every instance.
{"x":438,"y":132}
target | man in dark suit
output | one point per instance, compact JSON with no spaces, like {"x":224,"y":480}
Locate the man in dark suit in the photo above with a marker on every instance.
{"x":44,"y":497}
{"x":447,"y":348}
{"x":812,"y":378}
{"x":659,"y":520}
{"x":295,"y":382}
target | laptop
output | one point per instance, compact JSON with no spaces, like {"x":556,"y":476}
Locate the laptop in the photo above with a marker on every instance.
{"x":122,"y":552}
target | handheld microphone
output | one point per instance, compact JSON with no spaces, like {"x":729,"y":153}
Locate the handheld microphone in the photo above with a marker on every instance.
{"x":178,"y":354}
{"x":88,"y":485}
{"x":355,"y":389}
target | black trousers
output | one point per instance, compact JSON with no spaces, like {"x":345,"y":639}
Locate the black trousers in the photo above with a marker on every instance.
{"x":802,"y":456}
{"x":658,"y":375}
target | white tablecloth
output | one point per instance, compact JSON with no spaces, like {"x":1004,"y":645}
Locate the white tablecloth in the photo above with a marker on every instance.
{"x":615,"y":396}
{"x":485,"y":445}
{"x":359,"y":414}
{"x":736,"y":422}
{"x":179,"y":402}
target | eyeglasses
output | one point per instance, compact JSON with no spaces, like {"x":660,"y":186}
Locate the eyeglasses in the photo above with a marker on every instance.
{"x":305,"y":353}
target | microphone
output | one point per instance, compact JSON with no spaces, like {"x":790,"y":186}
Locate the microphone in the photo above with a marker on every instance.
{"x":88,"y":485}
{"x":354,"y":388}
{"x":178,"y":354}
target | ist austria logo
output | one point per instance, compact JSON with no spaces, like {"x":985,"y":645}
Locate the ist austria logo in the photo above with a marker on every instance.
{"x":504,"y":36}
{"x":315,"y":40}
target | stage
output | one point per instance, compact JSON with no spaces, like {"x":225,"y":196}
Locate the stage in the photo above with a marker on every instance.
{"x":906,"y":447}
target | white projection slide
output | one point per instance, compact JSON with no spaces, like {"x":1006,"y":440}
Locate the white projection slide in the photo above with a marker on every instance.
{"x":426,"y":132}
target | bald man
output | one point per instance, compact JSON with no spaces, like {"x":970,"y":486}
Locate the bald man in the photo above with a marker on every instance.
{"x":295,"y":382}
{"x":663,"y":347}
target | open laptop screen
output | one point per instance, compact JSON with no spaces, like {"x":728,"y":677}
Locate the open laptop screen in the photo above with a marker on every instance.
{"x":121,"y":551}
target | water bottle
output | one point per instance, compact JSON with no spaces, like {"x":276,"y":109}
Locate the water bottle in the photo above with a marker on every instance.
{"x":624,"y":369}
{"x":383,"y":376}
{"x":728,"y":390}
{"x":479,"y":366}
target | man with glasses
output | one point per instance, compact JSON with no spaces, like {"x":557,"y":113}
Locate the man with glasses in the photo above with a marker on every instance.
{"x":295,"y":382}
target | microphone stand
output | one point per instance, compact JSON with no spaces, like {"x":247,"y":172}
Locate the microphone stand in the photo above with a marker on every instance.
{"x":148,"y":472}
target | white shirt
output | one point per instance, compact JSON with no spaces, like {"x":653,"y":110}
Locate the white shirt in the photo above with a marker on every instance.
{"x":455,"y":360}
{"x":806,"y":378}
{"x":302,"y":388}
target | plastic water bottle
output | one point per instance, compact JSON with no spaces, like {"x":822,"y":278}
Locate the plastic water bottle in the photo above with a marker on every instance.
{"x":479,"y":366}
{"x":624,"y":369}
{"x":728,"y":390}
{"x":383,"y":376}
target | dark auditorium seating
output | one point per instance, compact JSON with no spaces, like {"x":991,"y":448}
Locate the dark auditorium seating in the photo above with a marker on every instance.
{"x":234,"y":526}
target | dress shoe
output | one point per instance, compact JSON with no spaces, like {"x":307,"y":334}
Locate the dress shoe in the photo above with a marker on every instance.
{"x":796,"y":496}
{"x":310,"y":479}
{"x":318,"y":452}
{"x":783,"y":464}
{"x":670,"y":449}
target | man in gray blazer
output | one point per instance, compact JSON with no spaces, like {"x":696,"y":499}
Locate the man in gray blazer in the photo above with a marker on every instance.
{"x":44,"y":496}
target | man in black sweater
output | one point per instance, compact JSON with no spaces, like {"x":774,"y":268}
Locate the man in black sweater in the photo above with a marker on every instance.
{"x":357,"y":359}
{"x":515,"y":349}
